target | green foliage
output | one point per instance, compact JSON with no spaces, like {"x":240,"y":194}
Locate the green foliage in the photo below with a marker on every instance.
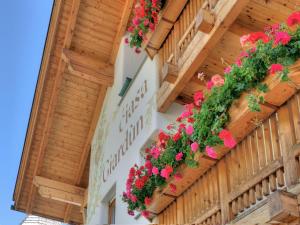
{"x":214,"y":113}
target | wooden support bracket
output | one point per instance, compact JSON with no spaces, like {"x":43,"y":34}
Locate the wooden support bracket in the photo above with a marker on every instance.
{"x":205,"y":20}
{"x":59,"y":191}
{"x":88,"y":67}
{"x":169,"y":72}
{"x":283,"y":208}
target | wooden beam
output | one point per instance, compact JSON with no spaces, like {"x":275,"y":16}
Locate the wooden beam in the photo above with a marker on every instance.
{"x":205,"y":20}
{"x":87,"y":146}
{"x":279,"y":208}
{"x":89,"y":68}
{"x":198,"y":50}
{"x":53,"y":100}
{"x":59,"y":191}
{"x":283,"y":208}
{"x":169,"y":72}
{"x":121,"y":29}
{"x":37,"y":99}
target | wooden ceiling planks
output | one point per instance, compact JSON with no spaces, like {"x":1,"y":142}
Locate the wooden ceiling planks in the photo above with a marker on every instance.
{"x":67,"y":103}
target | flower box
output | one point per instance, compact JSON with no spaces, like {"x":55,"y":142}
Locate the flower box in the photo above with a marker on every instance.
{"x":168,"y":16}
{"x":243,"y":121}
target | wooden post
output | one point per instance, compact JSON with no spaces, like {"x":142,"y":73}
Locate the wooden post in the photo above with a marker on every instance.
{"x":205,"y":20}
{"x":223,"y":189}
{"x":286,"y":138}
{"x":176,"y":41}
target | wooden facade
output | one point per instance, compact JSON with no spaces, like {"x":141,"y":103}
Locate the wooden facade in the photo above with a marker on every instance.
{"x":76,"y":70}
{"x":255,"y":183}
{"x":258,"y":181}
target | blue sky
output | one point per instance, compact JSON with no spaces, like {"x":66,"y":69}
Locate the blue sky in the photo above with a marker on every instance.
{"x":23,"y":29}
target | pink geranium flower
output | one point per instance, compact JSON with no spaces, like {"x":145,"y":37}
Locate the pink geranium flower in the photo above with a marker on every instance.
{"x":189,"y":130}
{"x":179,"y":156}
{"x":189,"y":107}
{"x":172,"y":187}
{"x":194,"y":146}
{"x":227,"y":138}
{"x":209,"y":85}
{"x":170,"y":127}
{"x":198,"y":98}
{"x":217,"y":80}
{"x":126,"y":40}
{"x":178,"y":176}
{"x":166,"y":172}
{"x":227,"y":70}
{"x":186,"y":114}
{"x":135,"y":21}
{"x":141,"y":33}
{"x":276,"y":68}
{"x":282,"y":37}
{"x":244,"y":39}
{"x":176,"y":136}
{"x":238,"y":62}
{"x":147,"y":201}
{"x":155,"y":152}
{"x":293,"y":19}
{"x":146,"y":22}
{"x":145,"y":214}
{"x":155,"y":170}
{"x":133,"y":198}
{"x":211,"y":152}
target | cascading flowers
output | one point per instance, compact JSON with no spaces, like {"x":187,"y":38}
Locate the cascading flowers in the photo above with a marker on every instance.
{"x":201,"y":126}
{"x":145,"y":18}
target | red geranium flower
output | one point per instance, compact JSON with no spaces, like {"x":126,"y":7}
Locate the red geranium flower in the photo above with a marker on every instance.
{"x":198,"y":98}
{"x":166,"y":172}
{"x":179,"y":156}
{"x":254,"y":37}
{"x":227,"y":138}
{"x":172,"y":187}
{"x":145,"y":214}
{"x":176,"y":136}
{"x":293,"y":19}
{"x":147,"y":201}
{"x":276,"y":68}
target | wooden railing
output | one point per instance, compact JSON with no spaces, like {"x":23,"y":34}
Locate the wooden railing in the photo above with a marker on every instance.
{"x":266,"y":161}
{"x":197,"y":15}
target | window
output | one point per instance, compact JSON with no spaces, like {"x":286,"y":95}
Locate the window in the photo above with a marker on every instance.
{"x":112,"y":211}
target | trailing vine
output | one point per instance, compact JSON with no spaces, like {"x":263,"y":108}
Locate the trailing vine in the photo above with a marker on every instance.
{"x":202,"y":124}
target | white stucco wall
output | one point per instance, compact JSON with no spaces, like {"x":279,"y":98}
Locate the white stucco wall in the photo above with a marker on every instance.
{"x":121,"y":133}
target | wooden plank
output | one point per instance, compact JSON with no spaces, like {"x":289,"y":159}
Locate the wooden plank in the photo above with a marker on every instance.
{"x":121,"y":29}
{"x":87,"y":145}
{"x":279,"y":207}
{"x":224,"y":190}
{"x":271,"y":168}
{"x":200,"y":48}
{"x":89,"y":68}
{"x":37,"y":98}
{"x":287,"y":141}
{"x":59,"y":191}
{"x":53,"y":99}
{"x":167,"y":19}
{"x":283,"y":207}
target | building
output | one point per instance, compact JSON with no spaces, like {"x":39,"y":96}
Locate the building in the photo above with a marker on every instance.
{"x":35,"y":220}
{"x":98,"y":104}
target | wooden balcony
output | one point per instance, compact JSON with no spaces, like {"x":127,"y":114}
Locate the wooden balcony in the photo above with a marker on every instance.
{"x":264,"y":167}
{"x":261,"y":172}
{"x":204,"y":39}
